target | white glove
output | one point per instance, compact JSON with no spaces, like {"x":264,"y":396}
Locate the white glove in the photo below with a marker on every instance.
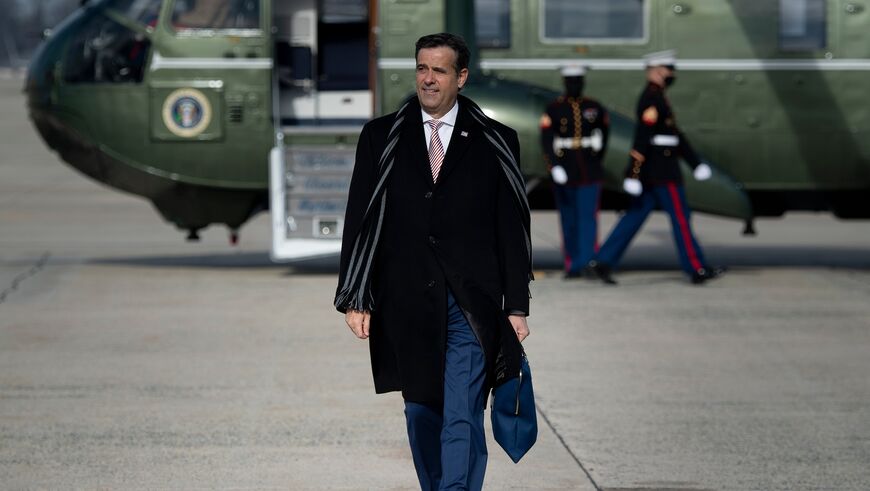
{"x":703,"y":172}
{"x":632,"y":186}
{"x":596,"y":140}
{"x":559,"y":174}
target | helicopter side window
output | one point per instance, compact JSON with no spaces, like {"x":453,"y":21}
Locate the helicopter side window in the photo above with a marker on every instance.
{"x":802,"y":25}
{"x":493,"y":21}
{"x":104,"y":51}
{"x":216,"y":14}
{"x":593,"y":21}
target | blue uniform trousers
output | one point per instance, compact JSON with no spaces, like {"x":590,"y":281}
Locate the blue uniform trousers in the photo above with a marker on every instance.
{"x":672,"y":199}
{"x":578,"y":212}
{"x":448,"y":443}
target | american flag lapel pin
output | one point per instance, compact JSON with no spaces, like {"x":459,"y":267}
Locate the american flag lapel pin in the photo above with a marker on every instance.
{"x":464,"y":133}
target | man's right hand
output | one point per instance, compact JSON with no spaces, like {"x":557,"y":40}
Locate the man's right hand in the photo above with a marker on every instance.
{"x":358,"y":322}
{"x":632,"y":186}
{"x":559,"y":175}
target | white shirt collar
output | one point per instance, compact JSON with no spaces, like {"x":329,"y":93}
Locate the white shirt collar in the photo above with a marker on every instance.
{"x":448,"y":119}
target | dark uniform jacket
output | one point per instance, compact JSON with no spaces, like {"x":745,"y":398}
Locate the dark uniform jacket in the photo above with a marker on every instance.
{"x":658,"y":142}
{"x":572,"y":125}
{"x":465,"y":233}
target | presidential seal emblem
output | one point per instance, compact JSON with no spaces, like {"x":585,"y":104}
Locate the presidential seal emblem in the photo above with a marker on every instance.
{"x":186,"y":112}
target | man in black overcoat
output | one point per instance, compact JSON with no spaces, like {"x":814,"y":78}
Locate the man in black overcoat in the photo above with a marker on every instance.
{"x":436,"y":262}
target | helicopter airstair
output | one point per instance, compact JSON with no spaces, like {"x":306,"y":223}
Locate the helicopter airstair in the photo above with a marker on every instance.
{"x":310,"y":172}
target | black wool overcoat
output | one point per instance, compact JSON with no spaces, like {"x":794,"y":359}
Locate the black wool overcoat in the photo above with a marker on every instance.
{"x":464,"y":232}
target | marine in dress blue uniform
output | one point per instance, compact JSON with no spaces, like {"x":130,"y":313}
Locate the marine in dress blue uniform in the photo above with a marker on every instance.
{"x":574,"y":132}
{"x":654,"y":180}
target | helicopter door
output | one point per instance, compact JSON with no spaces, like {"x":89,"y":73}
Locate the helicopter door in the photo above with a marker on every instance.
{"x":295,"y":47}
{"x":322,"y":62}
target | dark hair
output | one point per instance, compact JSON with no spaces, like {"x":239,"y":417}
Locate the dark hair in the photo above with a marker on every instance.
{"x":452,"y":41}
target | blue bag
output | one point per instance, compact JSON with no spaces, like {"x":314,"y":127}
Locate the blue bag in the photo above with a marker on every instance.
{"x":514,"y":419}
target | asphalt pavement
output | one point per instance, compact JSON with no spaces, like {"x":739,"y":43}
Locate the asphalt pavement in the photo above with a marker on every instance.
{"x":131,"y":359}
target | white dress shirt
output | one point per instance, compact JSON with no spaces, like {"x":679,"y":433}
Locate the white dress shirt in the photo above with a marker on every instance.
{"x":446,"y":129}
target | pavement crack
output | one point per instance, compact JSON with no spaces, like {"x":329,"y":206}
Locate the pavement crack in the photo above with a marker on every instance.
{"x":567,"y":448}
{"x":21,"y":278}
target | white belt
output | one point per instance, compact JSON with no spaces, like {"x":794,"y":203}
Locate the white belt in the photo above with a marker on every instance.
{"x":595,"y":141}
{"x":665,"y":140}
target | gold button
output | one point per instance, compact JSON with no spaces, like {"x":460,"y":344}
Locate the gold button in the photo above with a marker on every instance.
{"x":667,"y":153}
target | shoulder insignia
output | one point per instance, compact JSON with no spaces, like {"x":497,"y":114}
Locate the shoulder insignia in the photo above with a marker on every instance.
{"x":650,"y":115}
{"x":546,"y":122}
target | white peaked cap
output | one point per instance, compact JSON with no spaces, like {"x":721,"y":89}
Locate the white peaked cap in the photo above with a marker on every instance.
{"x":661,"y":58}
{"x":573,"y":71}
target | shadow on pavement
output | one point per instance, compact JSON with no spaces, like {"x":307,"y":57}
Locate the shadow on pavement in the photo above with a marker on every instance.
{"x":655,"y":258}
{"x":638,"y":258}
{"x":248,"y":260}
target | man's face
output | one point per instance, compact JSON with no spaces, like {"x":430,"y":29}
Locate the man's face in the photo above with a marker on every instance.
{"x":659,"y":75}
{"x":437,"y":81}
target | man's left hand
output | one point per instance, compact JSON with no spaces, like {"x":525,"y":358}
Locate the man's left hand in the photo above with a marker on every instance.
{"x":521,"y":327}
{"x":702,"y":172}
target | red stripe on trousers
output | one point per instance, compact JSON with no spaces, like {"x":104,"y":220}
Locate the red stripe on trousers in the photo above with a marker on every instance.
{"x":684,"y":227}
{"x":595,"y":217}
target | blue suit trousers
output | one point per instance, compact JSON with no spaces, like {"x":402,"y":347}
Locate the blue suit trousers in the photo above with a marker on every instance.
{"x":672,"y":199}
{"x":448,"y":443}
{"x":578,"y":214}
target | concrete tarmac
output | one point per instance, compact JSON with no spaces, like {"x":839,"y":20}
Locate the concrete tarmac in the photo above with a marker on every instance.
{"x":130,"y":359}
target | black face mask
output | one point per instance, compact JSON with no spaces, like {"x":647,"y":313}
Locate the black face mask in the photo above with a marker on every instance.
{"x":574,"y":86}
{"x":669,"y":80}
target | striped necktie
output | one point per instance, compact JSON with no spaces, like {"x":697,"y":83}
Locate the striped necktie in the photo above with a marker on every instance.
{"x":436,"y":149}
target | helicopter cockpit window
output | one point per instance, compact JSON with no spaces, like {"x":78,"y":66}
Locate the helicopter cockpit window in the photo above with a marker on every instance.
{"x":216,"y":14}
{"x":493,"y":21}
{"x":802,"y":25}
{"x":593,"y":21}
{"x":112,"y":46}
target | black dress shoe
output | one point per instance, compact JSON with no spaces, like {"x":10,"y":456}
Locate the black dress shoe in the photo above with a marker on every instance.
{"x":572,"y":275}
{"x":706,"y":274}
{"x":602,"y":272}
